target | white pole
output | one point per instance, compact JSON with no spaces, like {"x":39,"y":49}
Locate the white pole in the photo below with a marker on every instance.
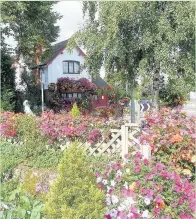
{"x":42,"y":89}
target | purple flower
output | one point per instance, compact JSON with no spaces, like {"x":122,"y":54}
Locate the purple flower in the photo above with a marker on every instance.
{"x":38,"y":187}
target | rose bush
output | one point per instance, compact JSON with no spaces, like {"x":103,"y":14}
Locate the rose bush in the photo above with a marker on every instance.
{"x":171,"y":135}
{"x":139,"y":188}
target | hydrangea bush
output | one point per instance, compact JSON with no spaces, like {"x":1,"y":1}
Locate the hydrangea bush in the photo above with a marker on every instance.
{"x":171,"y":135}
{"x":139,"y":188}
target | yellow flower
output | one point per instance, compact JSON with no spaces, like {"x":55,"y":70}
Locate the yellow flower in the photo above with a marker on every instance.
{"x":133,"y":186}
{"x":193,"y":159}
{"x":128,"y":170}
{"x":187,"y":172}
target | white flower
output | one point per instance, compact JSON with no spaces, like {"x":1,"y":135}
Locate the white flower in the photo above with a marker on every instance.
{"x":119,"y":173}
{"x":108,"y":188}
{"x":98,"y":179}
{"x":129,"y":201}
{"x":114,"y":199}
{"x":121,"y":207}
{"x":105,"y":182}
{"x":108,"y":200}
{"x":145,"y":214}
{"x":126,"y":185}
{"x":113,"y":213}
{"x":147,"y":200}
{"x":113,"y":183}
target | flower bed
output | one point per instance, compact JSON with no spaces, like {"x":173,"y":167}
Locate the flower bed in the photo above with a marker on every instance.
{"x":171,"y":135}
{"x":143,"y":189}
{"x":60,"y":128}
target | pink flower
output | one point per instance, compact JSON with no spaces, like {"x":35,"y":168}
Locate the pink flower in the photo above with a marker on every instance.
{"x":186,"y":216}
{"x":137,"y":169}
{"x":149,"y":176}
{"x":160,"y":166}
{"x":165,"y":174}
{"x":101,"y":185}
{"x":138,"y":155}
{"x":127,"y":156}
{"x":158,"y":199}
{"x":166,"y":217}
{"x":146,"y":161}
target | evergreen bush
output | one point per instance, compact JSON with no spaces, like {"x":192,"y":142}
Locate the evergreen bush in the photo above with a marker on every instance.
{"x":75,"y":111}
{"x":75,"y":195}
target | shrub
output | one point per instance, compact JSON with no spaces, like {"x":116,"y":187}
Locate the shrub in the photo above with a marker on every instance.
{"x":139,"y":188}
{"x":33,"y":142}
{"x":171,"y":135}
{"x":11,"y":156}
{"x":75,"y":113}
{"x":75,"y":194}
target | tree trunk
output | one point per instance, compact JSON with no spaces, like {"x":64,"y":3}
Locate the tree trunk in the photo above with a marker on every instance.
{"x":132,"y":104}
{"x":156,"y":81}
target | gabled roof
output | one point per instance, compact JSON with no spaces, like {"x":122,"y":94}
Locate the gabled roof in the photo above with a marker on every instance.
{"x":56,"y":49}
{"x":99,"y":82}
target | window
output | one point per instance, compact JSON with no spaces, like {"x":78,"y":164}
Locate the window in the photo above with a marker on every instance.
{"x":71,"y":67}
{"x":72,"y":95}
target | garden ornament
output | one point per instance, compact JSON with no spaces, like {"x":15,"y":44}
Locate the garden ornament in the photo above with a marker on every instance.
{"x":27,"y":108}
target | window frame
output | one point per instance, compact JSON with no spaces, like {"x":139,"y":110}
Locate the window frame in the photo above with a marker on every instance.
{"x":71,"y":61}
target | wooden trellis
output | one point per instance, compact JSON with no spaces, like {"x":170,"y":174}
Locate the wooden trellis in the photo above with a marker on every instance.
{"x":119,"y":142}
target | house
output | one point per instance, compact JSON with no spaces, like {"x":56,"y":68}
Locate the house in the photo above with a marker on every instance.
{"x":62,"y":63}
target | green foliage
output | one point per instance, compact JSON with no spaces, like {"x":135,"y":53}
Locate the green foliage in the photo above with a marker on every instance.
{"x":7,"y":103}
{"x":32,"y":91}
{"x":28,"y":32}
{"x":140,"y":37}
{"x":8,"y":96}
{"x":29,"y":184}
{"x":33,"y":143}
{"x":176,"y":88}
{"x":75,"y":194}
{"x":18,"y":205}
{"x":75,"y":111}
{"x":7,"y":187}
{"x":11,"y":156}
{"x":48,"y":158}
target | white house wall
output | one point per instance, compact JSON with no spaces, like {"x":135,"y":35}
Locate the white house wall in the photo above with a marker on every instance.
{"x":55,"y":68}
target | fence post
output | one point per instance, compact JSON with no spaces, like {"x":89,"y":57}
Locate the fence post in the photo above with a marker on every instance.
{"x":126,"y":139}
{"x":146,"y":151}
{"x":123,"y":140}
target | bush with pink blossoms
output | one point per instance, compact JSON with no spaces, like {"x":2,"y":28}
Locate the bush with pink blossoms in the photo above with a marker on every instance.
{"x":171,"y":135}
{"x":139,"y":188}
{"x":60,"y":128}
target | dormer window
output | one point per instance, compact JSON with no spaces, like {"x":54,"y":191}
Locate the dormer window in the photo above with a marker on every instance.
{"x":71,"y":67}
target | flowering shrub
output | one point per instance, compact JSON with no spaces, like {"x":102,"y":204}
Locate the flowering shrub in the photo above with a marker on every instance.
{"x":8,"y":126}
{"x":171,"y":135}
{"x":94,"y":136}
{"x":61,"y":128}
{"x":66,"y":84}
{"x":112,"y":110}
{"x":143,"y":189}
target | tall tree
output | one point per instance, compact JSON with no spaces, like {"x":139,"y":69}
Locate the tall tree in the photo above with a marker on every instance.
{"x":7,"y":79}
{"x":151,"y":37}
{"x":112,"y":38}
{"x":32,"y":25}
